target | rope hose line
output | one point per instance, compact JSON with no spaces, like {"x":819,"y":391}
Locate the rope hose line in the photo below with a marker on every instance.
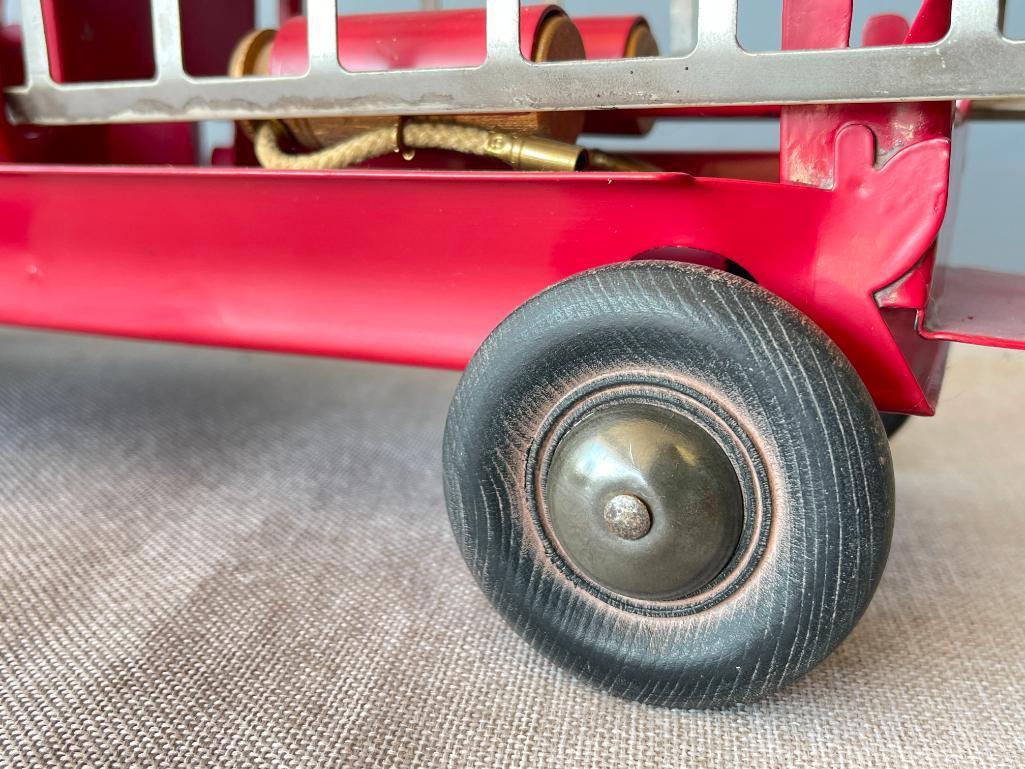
{"x":523,"y":152}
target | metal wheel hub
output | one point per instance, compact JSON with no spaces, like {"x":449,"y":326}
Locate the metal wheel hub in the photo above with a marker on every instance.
{"x":643,"y":501}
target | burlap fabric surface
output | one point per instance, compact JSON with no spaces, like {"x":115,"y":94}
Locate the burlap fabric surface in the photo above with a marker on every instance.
{"x":215,"y":558}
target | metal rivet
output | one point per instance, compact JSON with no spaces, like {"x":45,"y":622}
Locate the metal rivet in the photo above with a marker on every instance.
{"x":643,"y":500}
{"x":627,"y":516}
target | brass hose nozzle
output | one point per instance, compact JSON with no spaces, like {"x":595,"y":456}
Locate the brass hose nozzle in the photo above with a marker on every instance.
{"x":530,"y":153}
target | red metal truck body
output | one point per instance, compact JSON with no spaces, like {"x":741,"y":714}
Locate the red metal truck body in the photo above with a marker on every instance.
{"x":418,"y":266}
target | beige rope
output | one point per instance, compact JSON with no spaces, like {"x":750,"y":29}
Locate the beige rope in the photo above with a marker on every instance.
{"x":371,"y":144}
{"x":458,"y":138}
{"x":530,"y":153}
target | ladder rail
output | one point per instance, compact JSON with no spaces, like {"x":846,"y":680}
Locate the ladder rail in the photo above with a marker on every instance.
{"x":973,"y":61}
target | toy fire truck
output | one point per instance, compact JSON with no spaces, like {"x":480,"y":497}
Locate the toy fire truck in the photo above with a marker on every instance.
{"x":665,"y":462}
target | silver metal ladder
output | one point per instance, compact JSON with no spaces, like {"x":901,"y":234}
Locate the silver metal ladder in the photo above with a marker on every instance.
{"x":973,"y":61}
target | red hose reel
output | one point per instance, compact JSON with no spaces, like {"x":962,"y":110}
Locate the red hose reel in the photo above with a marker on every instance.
{"x":451,"y":38}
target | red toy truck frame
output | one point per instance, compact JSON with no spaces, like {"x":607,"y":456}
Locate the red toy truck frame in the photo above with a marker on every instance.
{"x":317,"y":263}
{"x":111,"y":227}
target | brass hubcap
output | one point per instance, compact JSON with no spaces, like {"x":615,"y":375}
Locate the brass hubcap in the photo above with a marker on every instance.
{"x":627,"y":516}
{"x":643,"y":501}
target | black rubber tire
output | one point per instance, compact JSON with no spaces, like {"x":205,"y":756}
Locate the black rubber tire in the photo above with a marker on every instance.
{"x":893,"y":422}
{"x":819,"y":458}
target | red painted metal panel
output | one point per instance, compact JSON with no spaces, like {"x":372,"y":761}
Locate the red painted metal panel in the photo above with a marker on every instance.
{"x":92,"y":40}
{"x":210,"y":32}
{"x":419,"y":267}
{"x":809,"y":137}
{"x":171,"y":143}
{"x":809,"y":24}
{"x":605,"y":37}
{"x":808,"y":133}
{"x":369,"y":42}
{"x":885,"y":29}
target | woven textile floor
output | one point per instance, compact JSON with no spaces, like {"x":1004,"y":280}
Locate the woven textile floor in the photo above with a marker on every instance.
{"x":214,"y":558}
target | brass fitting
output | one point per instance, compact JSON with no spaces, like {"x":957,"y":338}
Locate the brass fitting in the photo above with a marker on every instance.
{"x":530,"y":153}
{"x":603,"y":161}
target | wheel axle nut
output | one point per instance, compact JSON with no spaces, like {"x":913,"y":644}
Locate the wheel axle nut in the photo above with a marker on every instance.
{"x":627,"y":516}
